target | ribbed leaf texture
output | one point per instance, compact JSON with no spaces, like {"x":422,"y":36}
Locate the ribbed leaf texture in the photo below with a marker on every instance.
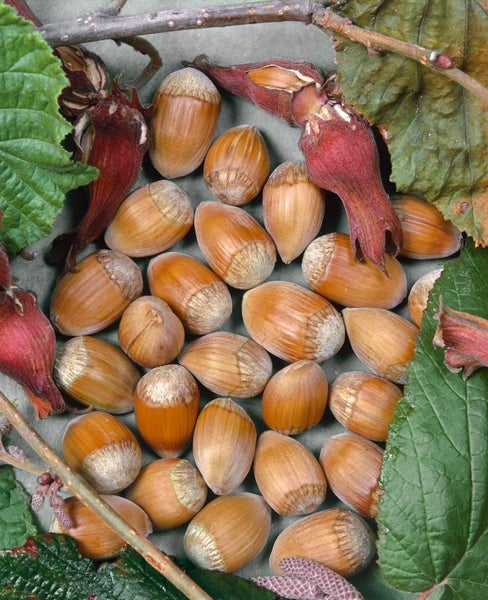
{"x":433,"y":517}
{"x":437,"y":131}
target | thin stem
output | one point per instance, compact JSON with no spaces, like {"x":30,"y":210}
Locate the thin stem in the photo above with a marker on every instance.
{"x":26,"y":465}
{"x":155,"y":63}
{"x":96,"y":26}
{"x":76,"y":485}
{"x":372,"y":39}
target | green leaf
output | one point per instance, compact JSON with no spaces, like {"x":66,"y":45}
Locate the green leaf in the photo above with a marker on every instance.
{"x":437,"y":131}
{"x":433,"y":518}
{"x":50,"y":567}
{"x":16,"y":523}
{"x":36,"y":172}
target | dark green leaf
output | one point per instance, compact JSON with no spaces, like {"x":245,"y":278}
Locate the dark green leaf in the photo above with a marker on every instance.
{"x":50,"y":567}
{"x":437,"y":131}
{"x":433,"y":516}
{"x":16,"y":523}
{"x":36,"y":172}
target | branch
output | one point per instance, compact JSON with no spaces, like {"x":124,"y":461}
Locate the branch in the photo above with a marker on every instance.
{"x":76,"y":485}
{"x":425,"y":56}
{"x":99,"y":26}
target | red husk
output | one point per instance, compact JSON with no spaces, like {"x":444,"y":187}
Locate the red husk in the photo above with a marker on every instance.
{"x":86,"y":71}
{"x":342,"y":157}
{"x":88,"y":80}
{"x":112,"y":136}
{"x":24,"y":11}
{"x":464,"y":337}
{"x":338,"y":145}
{"x":5,"y":275}
{"x":27,"y":349}
{"x":237,"y":79}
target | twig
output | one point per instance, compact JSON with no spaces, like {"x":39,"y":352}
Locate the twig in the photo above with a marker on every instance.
{"x":372,"y":39}
{"x":76,"y":485}
{"x":155,"y":63}
{"x":26,"y":465}
{"x":99,"y":26}
{"x":95,"y":27}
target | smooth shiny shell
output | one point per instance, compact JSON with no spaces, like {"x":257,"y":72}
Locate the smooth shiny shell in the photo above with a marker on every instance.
{"x":187,"y":107}
{"x":94,"y":538}
{"x":195,"y":293}
{"x":352,"y":465}
{"x":224,"y":441}
{"x":170,"y":490}
{"x":96,"y":294}
{"x":364,"y":403}
{"x":237,"y":165}
{"x":331,"y":269}
{"x":150,"y":333}
{"x":150,"y":220}
{"x":426,"y":234}
{"x":237,"y":248}
{"x":381,"y":339}
{"x":291,"y":322}
{"x":338,"y":538}
{"x":102,"y":449}
{"x":295,"y":398}
{"x":228,"y":364}
{"x":96,"y":373}
{"x":166,"y":405}
{"x":419,"y":295}
{"x":288,"y":475}
{"x":293,"y":209}
{"x":228,"y":532}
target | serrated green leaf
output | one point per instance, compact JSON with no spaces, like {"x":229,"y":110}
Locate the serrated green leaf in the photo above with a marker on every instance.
{"x":47,"y":567}
{"x":433,"y":517}
{"x":437,"y":131}
{"x":16,"y":523}
{"x":50,"y":567}
{"x":36,"y":171}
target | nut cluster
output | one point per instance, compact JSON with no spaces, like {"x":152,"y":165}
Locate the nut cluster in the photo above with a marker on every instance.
{"x":218,"y":333}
